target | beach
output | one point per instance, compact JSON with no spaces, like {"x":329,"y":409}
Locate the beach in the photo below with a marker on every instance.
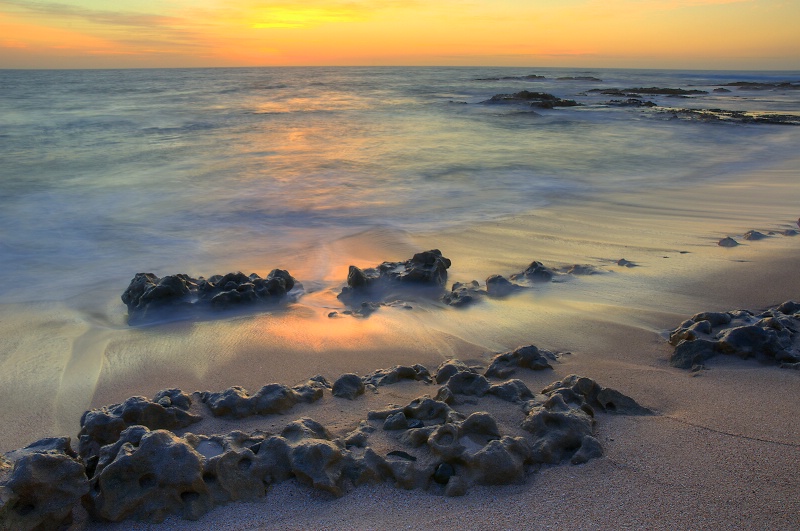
{"x":719,"y":452}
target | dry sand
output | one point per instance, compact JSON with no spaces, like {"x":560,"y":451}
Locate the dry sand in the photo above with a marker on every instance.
{"x":722,"y":452}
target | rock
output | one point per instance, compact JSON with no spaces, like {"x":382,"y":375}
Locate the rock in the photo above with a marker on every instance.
{"x":395,"y":374}
{"x":721,"y":90}
{"x":727,"y":242}
{"x":511,"y":391}
{"x":398,"y":421}
{"x":559,"y":431}
{"x":505,"y":364}
{"x":468,"y":383}
{"x":149,"y":297}
{"x":590,"y":449}
{"x":449,"y":368}
{"x":500,"y":462}
{"x":235,"y":402}
{"x":754,"y":235}
{"x":426,"y":269}
{"x":312,"y":390}
{"x":456,"y":486}
{"x":443,"y":473}
{"x":580,"y":391}
{"x":499,"y":286}
{"x":305,"y":428}
{"x":541,"y":100}
{"x":580,"y":269}
{"x":747,"y":341}
{"x":348,"y":386}
{"x":536,"y":272}
{"x":427,"y":409}
{"x":631,"y":102}
{"x":319,"y":463}
{"x":625,"y":263}
{"x":463,"y":293}
{"x":714,"y":318}
{"x":149,"y":478}
{"x":768,"y":336}
{"x":789,"y":307}
{"x":40,"y":485}
{"x":789,"y":232}
{"x":102,"y":426}
{"x":664,"y":91}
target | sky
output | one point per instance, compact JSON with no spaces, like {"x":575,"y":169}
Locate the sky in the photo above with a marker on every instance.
{"x":704,"y":34}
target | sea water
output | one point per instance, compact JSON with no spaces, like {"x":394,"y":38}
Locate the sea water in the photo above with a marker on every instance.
{"x":105,"y":173}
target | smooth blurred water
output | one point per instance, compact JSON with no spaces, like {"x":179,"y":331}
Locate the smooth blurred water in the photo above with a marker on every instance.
{"x":107,"y":173}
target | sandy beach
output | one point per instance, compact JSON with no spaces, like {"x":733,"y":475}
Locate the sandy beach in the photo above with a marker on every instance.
{"x":720,"y":452}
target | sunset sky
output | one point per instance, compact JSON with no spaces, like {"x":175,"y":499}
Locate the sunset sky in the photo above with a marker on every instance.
{"x":722,"y":34}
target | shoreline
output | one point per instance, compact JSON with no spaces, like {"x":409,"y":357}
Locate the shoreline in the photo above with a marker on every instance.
{"x":612,"y":324}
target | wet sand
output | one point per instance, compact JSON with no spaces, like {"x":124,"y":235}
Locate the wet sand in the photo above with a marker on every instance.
{"x":721,"y":453}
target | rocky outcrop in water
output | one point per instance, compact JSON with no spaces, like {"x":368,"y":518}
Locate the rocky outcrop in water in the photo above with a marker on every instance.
{"x":725,"y":116}
{"x":541,"y":100}
{"x":424,"y":270}
{"x":150,"y":298}
{"x":769,"y":336}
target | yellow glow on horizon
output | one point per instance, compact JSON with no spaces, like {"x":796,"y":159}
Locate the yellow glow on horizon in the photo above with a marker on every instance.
{"x":584,"y":33}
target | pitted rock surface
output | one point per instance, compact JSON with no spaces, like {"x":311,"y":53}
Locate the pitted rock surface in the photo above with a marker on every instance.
{"x":769,"y":336}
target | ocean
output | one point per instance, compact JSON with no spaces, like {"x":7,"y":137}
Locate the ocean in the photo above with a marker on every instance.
{"x":105,"y":173}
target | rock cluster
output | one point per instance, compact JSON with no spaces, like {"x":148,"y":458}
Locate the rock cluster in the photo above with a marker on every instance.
{"x":769,"y":336}
{"x":134,"y":466}
{"x":426,"y":269}
{"x":149,"y":297}
{"x":541,"y":100}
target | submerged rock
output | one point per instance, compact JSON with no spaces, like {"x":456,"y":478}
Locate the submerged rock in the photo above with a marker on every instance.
{"x":427,"y":270}
{"x":149,"y":297}
{"x":535,"y":272}
{"x":540,"y":100}
{"x":462,"y":293}
{"x":754,"y":235}
{"x":727,"y":242}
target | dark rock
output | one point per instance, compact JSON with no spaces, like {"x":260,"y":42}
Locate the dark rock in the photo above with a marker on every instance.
{"x":721,"y":90}
{"x":789,"y":232}
{"x":714,"y":318}
{"x":541,"y":100}
{"x":625,"y":263}
{"x":456,"y":486}
{"x":358,"y":437}
{"x":754,"y":235}
{"x":150,"y":298}
{"x":500,"y":462}
{"x":580,"y":391}
{"x":348,"y":386}
{"x":579,"y":269}
{"x":511,"y":391}
{"x":393,"y":375}
{"x":789,"y":307}
{"x":559,"y":430}
{"x":449,"y":368}
{"x":528,"y":357}
{"x":102,"y":426}
{"x":398,"y":421}
{"x":747,"y":341}
{"x":40,"y":485}
{"x":312,"y":390}
{"x":426,"y":269}
{"x":305,"y":428}
{"x":318,"y":463}
{"x":664,"y":91}
{"x":690,"y":353}
{"x":727,"y":242}
{"x":579,"y":78}
{"x":463,"y":293}
{"x":631,"y":102}
{"x":536,"y":272}
{"x":468,"y":383}
{"x":427,"y":409}
{"x":755,"y":85}
{"x":148,"y":479}
{"x":235,"y":402}
{"x":443,"y":473}
{"x":499,"y":286}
